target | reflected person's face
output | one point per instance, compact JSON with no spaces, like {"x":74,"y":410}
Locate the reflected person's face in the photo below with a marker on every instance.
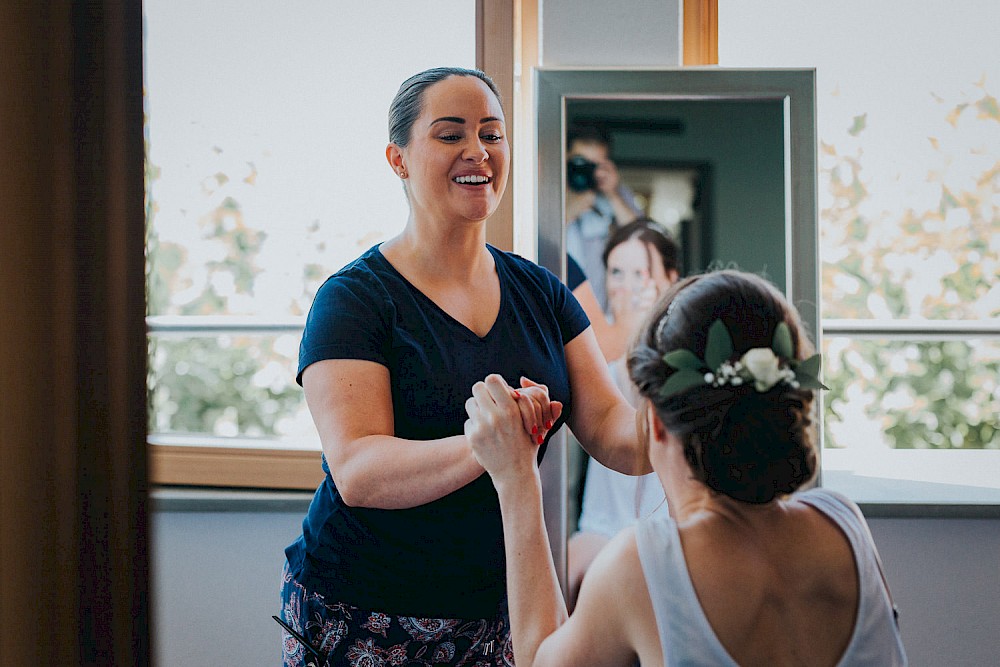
{"x":632,"y":264}
{"x":606,"y":175}
{"x":597,"y":153}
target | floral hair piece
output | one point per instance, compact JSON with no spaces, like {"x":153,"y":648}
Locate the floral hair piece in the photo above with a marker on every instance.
{"x":764,"y":367}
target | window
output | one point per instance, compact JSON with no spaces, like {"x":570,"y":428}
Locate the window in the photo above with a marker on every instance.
{"x":909,"y":199}
{"x":266,"y":131}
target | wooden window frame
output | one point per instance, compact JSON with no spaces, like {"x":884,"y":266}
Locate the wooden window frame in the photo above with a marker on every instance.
{"x":701,"y":32}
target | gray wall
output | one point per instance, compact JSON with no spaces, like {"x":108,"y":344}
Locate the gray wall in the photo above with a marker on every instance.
{"x":215,"y":586}
{"x":945,"y":576}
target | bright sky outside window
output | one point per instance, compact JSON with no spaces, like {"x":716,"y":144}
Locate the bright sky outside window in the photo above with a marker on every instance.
{"x":266,"y":131}
{"x":909,"y":198}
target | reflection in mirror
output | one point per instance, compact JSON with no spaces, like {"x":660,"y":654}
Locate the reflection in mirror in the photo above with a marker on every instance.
{"x":724,"y":159}
{"x":710,"y":171}
{"x":678,"y":195}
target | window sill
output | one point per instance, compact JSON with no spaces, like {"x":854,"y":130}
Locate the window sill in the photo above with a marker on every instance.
{"x":239,"y":465}
{"x":173,"y":499}
{"x":258,"y":476}
{"x":916,"y":483}
{"x":929,"y":511}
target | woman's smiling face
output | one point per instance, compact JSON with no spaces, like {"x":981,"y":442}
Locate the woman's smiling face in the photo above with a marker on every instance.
{"x":457,"y":159}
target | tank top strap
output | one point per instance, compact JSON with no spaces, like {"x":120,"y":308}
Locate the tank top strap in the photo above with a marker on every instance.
{"x":685,"y":634}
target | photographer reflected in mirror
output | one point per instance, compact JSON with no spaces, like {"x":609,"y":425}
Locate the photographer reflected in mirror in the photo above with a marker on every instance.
{"x":596,"y":202}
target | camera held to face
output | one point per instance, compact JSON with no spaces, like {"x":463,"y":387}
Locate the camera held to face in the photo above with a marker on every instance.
{"x":580,"y":174}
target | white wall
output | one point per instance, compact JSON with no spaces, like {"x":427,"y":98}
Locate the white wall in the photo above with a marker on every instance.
{"x":604,"y":33}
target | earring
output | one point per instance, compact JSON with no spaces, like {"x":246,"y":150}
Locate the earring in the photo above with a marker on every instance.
{"x":402,"y":173}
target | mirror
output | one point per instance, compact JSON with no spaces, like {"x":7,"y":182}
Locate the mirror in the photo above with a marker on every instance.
{"x":724,"y":158}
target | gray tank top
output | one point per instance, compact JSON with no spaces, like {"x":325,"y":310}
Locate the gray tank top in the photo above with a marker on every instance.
{"x":685,"y":633}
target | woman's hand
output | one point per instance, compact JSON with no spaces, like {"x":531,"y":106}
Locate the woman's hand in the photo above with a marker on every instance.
{"x":496,"y":428}
{"x":538,"y":411}
{"x":630,"y":303}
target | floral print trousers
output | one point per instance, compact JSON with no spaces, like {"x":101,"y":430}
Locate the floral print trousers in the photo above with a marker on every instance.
{"x":347,"y":636}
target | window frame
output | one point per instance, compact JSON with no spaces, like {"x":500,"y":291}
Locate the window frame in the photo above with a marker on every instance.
{"x":195,"y":460}
{"x":914,"y":331}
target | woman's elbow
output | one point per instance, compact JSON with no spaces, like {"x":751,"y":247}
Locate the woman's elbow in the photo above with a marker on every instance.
{"x":349,"y":497}
{"x":352,"y":486}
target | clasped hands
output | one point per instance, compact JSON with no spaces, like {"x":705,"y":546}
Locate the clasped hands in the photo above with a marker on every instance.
{"x":506,"y":425}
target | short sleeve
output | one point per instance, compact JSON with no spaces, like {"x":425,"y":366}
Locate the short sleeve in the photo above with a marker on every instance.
{"x":349,"y":319}
{"x":574,"y":274}
{"x":572,"y":319}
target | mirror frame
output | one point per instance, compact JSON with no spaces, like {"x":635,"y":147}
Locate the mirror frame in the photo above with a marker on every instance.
{"x":795,"y":87}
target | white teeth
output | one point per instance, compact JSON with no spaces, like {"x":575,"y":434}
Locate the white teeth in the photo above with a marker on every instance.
{"x":472,"y":180}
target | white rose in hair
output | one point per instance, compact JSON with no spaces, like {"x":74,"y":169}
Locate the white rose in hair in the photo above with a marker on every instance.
{"x":763,"y":367}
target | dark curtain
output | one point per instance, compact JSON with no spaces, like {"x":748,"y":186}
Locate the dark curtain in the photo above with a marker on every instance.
{"x":74,"y":565}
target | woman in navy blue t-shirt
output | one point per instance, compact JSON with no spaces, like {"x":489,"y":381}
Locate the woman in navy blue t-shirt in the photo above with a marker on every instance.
{"x":401,"y":557}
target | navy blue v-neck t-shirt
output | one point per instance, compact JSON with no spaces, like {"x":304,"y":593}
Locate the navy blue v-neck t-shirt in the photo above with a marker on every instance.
{"x":443,"y":559}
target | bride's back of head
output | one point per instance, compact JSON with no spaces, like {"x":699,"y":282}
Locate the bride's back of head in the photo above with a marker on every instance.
{"x":742,"y":440}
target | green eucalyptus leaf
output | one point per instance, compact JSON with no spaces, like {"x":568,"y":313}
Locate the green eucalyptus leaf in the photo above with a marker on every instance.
{"x":719,"y":347}
{"x":683,"y":359}
{"x":808,"y":371}
{"x":810,"y":382}
{"x":811,"y":366}
{"x":781,"y":344}
{"x":681,"y":381}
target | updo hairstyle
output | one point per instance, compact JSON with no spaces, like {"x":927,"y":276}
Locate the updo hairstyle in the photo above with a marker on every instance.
{"x":407,"y":104}
{"x":751,"y":446}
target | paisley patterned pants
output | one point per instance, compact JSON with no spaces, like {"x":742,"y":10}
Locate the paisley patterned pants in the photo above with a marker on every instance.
{"x":344,"y":635}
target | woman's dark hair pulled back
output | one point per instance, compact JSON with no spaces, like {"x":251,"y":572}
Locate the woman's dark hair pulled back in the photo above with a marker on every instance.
{"x":650,"y":233}
{"x":407,"y":104}
{"x":751,"y":446}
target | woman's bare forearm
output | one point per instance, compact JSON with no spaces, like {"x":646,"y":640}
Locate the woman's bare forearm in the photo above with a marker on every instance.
{"x":535,"y":601}
{"x":385,"y":472}
{"x":614,"y":441}
{"x":612,"y":337}
{"x":602,"y":419}
{"x":351,"y":405}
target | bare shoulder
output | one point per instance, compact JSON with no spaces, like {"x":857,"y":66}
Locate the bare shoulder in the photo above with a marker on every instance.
{"x":616,"y":571}
{"x":613,"y":623}
{"x":838,"y":498}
